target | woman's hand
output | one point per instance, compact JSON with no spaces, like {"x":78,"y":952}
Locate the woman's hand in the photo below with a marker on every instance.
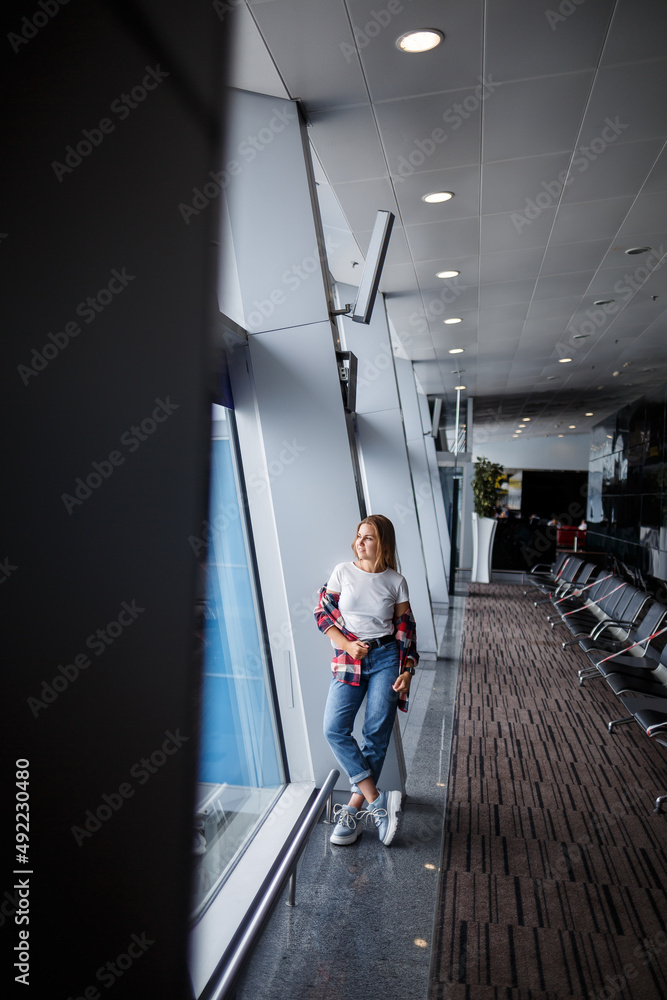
{"x":355,"y":648}
{"x":402,"y":684}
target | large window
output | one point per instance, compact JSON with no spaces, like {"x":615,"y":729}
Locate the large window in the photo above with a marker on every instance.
{"x":241,"y":768}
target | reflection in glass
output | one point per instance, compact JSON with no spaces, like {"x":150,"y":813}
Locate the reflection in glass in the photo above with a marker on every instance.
{"x":240,"y":770}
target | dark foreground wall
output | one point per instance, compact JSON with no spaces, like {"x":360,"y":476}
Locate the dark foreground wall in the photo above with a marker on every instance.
{"x":107,"y":293}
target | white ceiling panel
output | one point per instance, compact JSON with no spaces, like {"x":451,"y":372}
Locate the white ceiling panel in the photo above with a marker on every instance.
{"x":562,"y":90}
{"x":534,"y":117}
{"x":509,"y":265}
{"x":334,"y":134}
{"x":464,"y":181}
{"x":637,"y":32}
{"x":433,"y":240}
{"x":509,"y":185}
{"x":615,"y":170}
{"x":362,"y":200}
{"x":516,"y":231}
{"x":623,"y":102}
{"x":573,"y":257}
{"x":590,"y":220}
{"x":429,"y":133}
{"x":501,"y":293}
{"x":646,"y":209}
{"x":559,"y":285}
{"x":306,"y":39}
{"x":551,"y":42}
{"x":392,"y":73}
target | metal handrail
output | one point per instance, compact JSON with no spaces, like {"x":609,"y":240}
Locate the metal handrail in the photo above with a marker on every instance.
{"x":222,"y":983}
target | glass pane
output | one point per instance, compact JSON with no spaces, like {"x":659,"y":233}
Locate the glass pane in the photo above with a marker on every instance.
{"x":240,"y":770}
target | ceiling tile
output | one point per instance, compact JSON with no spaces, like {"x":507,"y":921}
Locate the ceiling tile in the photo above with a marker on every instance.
{"x":502,"y":293}
{"x":507,"y":265}
{"x":622,"y":101}
{"x":551,"y":41}
{"x":559,"y":285}
{"x":315,"y":71}
{"x":570,"y":257}
{"x":590,"y":220}
{"x":615,"y":171}
{"x":534,"y":117}
{"x":515,"y":231}
{"x":348,"y":142}
{"x":429,"y":241}
{"x":429,"y":133}
{"x":392,"y":73}
{"x":511,"y":185}
{"x":462,"y":181}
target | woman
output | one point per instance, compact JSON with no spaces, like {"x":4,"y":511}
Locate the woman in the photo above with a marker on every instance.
{"x":364,"y":610}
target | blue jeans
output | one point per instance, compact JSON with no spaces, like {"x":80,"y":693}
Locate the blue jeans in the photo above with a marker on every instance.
{"x":379,"y":671}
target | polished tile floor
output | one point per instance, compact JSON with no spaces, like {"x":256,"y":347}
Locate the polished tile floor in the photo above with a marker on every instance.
{"x":363,"y":922}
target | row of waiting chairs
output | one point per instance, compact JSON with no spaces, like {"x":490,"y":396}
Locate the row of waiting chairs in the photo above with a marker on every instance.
{"x":620,"y":630}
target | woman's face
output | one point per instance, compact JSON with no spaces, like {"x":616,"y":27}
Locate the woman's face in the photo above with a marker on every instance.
{"x":367,"y":543}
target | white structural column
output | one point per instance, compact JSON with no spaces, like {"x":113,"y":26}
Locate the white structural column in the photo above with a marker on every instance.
{"x":299,"y":475}
{"x":384,"y":455}
{"x":422,"y":483}
{"x":430,"y":446}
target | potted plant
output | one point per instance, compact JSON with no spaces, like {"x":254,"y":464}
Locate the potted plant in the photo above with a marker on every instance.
{"x":487,"y":490}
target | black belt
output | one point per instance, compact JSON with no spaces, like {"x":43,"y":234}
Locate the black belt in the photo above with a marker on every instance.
{"x":382,"y":640}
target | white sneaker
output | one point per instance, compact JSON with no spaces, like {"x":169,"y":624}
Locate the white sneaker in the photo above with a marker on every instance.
{"x":384,"y":813}
{"x":346,"y":829}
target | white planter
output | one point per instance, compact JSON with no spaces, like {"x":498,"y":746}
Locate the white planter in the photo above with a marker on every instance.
{"x":483,"y":532}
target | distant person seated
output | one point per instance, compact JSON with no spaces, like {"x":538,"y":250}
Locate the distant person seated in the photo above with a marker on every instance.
{"x":554,"y":522}
{"x":534,"y":519}
{"x":583,"y":525}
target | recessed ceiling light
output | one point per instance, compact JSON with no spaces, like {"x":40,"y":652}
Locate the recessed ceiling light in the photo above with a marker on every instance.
{"x":456,"y":350}
{"x":448,"y":274}
{"x":525,"y":419}
{"x":561,"y":435}
{"x":634,"y":250}
{"x":459,"y":387}
{"x":515,"y":435}
{"x":420,"y":40}
{"x":603,"y":302}
{"x":563,"y":361}
{"x":572,"y":427}
{"x":435,"y":197}
{"x":453,"y":319}
{"x":589,"y":414}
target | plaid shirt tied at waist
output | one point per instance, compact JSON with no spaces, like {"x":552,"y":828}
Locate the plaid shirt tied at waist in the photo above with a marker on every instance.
{"x":345,"y":668}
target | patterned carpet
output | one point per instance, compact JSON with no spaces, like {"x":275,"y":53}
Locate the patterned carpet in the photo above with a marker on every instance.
{"x":554,"y":870}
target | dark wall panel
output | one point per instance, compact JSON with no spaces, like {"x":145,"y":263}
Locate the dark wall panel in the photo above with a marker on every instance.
{"x":627,"y":504}
{"x":112,"y":121}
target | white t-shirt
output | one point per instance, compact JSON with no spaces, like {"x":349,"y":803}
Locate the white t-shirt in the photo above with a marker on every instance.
{"x":367,"y":600}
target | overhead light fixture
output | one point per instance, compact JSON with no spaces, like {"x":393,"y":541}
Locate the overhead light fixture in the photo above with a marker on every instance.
{"x":456,"y":350}
{"x":525,"y":419}
{"x":561,"y":435}
{"x":572,"y":427}
{"x":453,"y":319}
{"x":435,"y":197}
{"x":448,"y":274}
{"x":459,"y":387}
{"x":589,"y":414}
{"x":421,"y":40}
{"x":603,"y":302}
{"x":634,"y":250}
{"x":563,"y":361}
